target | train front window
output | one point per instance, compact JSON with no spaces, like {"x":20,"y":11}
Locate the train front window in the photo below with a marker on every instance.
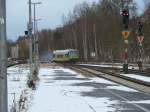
{"x":74,"y":53}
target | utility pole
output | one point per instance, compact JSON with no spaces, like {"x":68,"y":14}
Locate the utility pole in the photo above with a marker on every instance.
{"x":37,"y":42}
{"x":30,"y":38}
{"x":3,"y":58}
{"x":35,"y":39}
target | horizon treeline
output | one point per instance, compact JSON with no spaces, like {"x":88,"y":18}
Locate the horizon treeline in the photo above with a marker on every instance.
{"x":95,"y":29}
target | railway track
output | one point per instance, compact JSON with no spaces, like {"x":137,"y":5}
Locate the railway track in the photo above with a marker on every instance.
{"x":142,"y":72}
{"x":145,"y":72}
{"x":115,"y":76}
{"x":9,"y":64}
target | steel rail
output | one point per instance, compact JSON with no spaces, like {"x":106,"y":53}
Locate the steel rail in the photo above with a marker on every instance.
{"x":112,"y":73}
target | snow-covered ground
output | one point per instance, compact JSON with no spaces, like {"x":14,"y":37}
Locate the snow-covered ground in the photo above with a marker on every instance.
{"x":17,"y":79}
{"x":113,"y":65}
{"x":139,"y":77}
{"x":59,"y":91}
{"x":63,"y":90}
{"x":58,"y":96}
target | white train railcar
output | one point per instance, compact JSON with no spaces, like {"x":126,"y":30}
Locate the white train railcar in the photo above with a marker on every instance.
{"x":67,"y":55}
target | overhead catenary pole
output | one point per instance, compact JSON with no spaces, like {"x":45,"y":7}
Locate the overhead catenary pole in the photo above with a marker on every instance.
{"x":30,"y":38}
{"x":37,"y":43}
{"x":35,"y":39}
{"x":3,"y":58}
{"x":34,"y":35}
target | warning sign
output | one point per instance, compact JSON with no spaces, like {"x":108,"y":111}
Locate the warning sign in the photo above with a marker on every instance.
{"x":140,"y":39}
{"x":125,"y":34}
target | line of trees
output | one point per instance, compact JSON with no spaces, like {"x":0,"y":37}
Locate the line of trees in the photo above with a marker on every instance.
{"x":96,"y":28}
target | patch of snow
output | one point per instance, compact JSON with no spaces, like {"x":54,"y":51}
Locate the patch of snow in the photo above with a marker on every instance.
{"x":108,"y":65}
{"x":69,"y":71}
{"x":100,"y":80}
{"x":113,"y":85}
{"x":122,"y":88}
{"x":101,"y":65}
{"x":142,"y":101}
{"x":139,"y":77}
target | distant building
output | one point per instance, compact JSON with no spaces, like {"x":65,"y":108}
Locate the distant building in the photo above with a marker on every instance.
{"x":23,"y":47}
{"x":14,"y":51}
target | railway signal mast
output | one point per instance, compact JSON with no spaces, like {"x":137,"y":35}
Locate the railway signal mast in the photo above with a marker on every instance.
{"x":125,"y":34}
{"x":30,"y":27}
{"x":125,"y":14}
{"x":3,"y":58}
{"x":35,"y":40}
{"x":140,"y":39}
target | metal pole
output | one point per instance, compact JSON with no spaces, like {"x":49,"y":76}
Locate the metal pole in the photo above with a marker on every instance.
{"x":30,"y":38}
{"x":122,"y":5}
{"x":3,"y":58}
{"x":35,"y":65}
{"x":35,"y":39}
{"x":37,"y":44}
{"x":14,"y":101}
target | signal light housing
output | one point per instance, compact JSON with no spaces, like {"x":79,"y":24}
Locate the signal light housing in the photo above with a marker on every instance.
{"x":125,"y":15}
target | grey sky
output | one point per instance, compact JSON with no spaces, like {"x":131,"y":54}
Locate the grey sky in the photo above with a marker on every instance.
{"x":50,"y":11}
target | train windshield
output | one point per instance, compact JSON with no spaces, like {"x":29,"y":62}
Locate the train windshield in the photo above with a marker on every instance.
{"x":74,"y":53}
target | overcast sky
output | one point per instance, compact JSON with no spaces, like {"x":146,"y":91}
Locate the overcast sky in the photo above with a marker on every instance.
{"x":50,"y":11}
